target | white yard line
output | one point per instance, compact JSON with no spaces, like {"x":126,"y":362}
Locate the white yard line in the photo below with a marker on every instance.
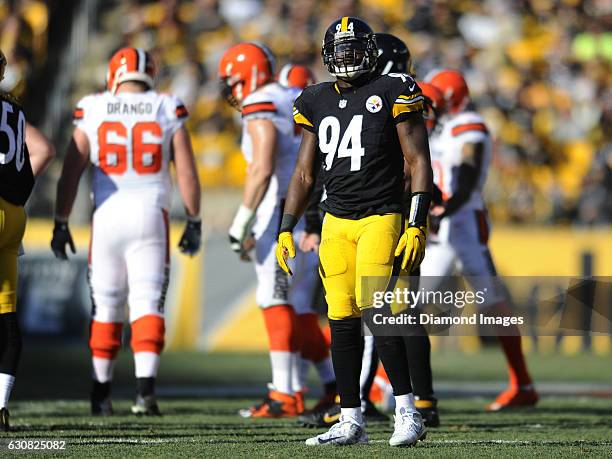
{"x":155,"y":441}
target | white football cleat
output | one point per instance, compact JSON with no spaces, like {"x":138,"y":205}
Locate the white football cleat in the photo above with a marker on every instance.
{"x":346,"y":432}
{"x":409,"y":429}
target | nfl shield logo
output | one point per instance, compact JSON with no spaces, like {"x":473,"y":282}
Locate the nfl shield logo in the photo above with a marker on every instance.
{"x":342,"y":103}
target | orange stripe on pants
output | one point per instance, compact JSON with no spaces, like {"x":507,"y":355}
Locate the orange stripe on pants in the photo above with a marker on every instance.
{"x":105,"y":339}
{"x":281,"y":323}
{"x":148,"y":334}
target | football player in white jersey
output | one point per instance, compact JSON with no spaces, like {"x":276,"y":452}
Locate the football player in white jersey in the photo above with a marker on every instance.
{"x":130,"y":133}
{"x":270,"y":141}
{"x":461,"y":151}
{"x":314,"y":347}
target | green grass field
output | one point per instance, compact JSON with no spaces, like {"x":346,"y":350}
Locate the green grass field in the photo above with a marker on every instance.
{"x":50,"y":403}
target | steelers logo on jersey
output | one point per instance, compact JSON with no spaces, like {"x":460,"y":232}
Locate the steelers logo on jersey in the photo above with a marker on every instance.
{"x":374,"y":104}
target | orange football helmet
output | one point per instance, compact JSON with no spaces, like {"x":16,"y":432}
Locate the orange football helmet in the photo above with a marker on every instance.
{"x":296,"y":76}
{"x":453,"y":87}
{"x":244,"y":68}
{"x":130,"y":64}
{"x":434,"y":104}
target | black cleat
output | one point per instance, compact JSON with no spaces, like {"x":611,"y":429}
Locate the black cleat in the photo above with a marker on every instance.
{"x":372,"y":414}
{"x":428,"y":408}
{"x":4,"y":420}
{"x":329,"y":416}
{"x":101,"y":404}
{"x":323,"y":416}
{"x":146,"y":406}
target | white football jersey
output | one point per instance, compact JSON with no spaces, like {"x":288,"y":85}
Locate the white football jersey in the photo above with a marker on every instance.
{"x":130,"y":139}
{"x":446,"y":143}
{"x":274,"y":102}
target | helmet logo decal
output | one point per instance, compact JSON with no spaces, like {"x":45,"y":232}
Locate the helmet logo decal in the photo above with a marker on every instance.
{"x":374,"y":104}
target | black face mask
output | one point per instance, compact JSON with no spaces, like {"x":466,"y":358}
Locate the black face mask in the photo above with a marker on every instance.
{"x":349,"y":54}
{"x":226,"y":93}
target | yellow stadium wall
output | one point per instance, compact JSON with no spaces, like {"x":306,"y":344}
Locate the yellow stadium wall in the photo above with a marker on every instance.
{"x":517,"y":251}
{"x":542,"y":251}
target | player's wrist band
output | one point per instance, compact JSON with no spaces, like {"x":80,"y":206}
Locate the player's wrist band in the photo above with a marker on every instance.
{"x":288,"y":222}
{"x":419,"y":208}
{"x":242,"y":219}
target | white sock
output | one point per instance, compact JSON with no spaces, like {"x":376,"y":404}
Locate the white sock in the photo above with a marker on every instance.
{"x":6,"y":385}
{"x":103,"y":369}
{"x":281,"y":362}
{"x":406,"y":402}
{"x":325,"y":369}
{"x":353,"y":413}
{"x":297,"y":383}
{"x":146,"y":364}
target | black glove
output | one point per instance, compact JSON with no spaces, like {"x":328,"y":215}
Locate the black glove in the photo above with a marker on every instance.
{"x":191,"y":238}
{"x":434,"y":223}
{"x":61,"y":237}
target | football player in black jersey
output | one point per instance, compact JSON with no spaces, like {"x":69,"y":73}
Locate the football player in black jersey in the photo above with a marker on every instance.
{"x":363,"y":126}
{"x":394,"y":57}
{"x":16,"y":183}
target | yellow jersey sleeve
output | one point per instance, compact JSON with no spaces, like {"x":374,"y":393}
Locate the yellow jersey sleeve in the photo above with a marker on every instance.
{"x":408,"y":102}
{"x":300,"y":118}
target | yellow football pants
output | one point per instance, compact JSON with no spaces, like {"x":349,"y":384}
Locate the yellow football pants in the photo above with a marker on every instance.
{"x":356,"y":260}
{"x":12,"y":227}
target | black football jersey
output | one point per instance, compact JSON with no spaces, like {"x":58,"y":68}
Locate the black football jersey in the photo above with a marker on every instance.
{"x":16,"y":177}
{"x":361,"y":158}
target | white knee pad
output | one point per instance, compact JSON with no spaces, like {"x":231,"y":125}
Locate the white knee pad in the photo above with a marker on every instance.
{"x":108,"y":306}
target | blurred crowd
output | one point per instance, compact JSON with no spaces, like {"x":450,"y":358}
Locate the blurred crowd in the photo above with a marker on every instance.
{"x":23,"y":39}
{"x":538,"y":70}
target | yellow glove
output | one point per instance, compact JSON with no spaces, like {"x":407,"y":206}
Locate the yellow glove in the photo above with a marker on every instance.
{"x":285,"y":248}
{"x":412,"y":243}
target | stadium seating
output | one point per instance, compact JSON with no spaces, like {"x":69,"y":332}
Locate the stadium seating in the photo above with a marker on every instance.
{"x":538,"y":71}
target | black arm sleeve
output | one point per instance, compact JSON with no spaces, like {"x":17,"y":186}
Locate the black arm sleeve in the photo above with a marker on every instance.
{"x":313,"y":214}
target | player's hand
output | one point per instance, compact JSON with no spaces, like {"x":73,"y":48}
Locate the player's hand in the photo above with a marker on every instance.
{"x":247,"y":245}
{"x":309,"y":242}
{"x":240,"y":236}
{"x":435,"y":217}
{"x":191,"y":238}
{"x":412,"y":243}
{"x":61,"y":237}
{"x":285,"y":248}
